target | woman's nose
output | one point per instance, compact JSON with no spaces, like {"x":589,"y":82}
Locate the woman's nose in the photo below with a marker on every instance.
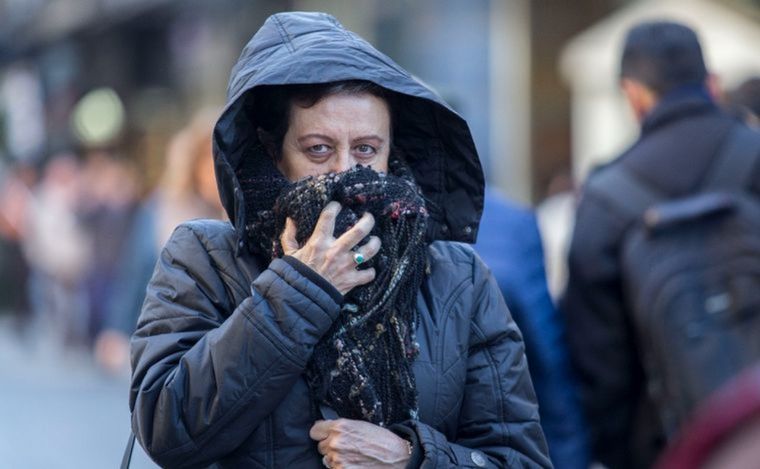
{"x":343,"y":161}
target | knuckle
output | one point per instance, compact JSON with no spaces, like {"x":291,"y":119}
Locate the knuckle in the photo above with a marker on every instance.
{"x":335,"y":443}
{"x":365,"y":276}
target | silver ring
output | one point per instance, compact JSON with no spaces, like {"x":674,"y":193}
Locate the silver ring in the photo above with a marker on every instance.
{"x":359,"y":258}
{"x":324,"y":461}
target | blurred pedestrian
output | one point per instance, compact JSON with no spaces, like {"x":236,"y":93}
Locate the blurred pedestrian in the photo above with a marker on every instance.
{"x":59,"y":251}
{"x":107,"y":208}
{"x":333,"y":322}
{"x":619,"y":340}
{"x":510,"y":244}
{"x":15,"y":202}
{"x":744,"y":100}
{"x":186,"y":190}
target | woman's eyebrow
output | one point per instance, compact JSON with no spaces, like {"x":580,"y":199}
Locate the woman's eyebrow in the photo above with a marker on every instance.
{"x":374,"y":137}
{"x":314,"y":135}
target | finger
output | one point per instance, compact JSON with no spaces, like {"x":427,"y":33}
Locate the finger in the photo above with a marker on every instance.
{"x":370,"y":249}
{"x":324,"y":446}
{"x":364,"y":276}
{"x":288,"y":237}
{"x":320,"y":430}
{"x":359,"y":231}
{"x":326,"y":222}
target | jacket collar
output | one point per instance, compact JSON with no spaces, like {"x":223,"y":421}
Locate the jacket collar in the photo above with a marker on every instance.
{"x":681,"y":102}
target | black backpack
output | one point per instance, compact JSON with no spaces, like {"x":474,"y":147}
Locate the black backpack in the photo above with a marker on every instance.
{"x":691,"y":277}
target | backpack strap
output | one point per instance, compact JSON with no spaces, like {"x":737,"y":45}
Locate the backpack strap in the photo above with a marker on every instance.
{"x":738,"y":156}
{"x":623,"y":190}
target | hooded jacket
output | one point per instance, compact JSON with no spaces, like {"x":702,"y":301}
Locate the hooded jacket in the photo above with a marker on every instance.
{"x":223,"y":338}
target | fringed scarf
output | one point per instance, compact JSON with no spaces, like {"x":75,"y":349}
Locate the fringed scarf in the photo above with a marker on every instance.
{"x":362,"y":366}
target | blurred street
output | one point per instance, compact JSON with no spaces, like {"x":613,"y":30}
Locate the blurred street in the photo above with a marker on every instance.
{"x":57,"y":410}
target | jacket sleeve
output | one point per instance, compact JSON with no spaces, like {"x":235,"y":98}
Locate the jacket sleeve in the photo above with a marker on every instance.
{"x":599,"y":334}
{"x":498,"y":421}
{"x":206,"y":372}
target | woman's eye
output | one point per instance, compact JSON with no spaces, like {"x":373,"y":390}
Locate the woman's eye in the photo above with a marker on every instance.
{"x":365,"y":149}
{"x":320,"y":149}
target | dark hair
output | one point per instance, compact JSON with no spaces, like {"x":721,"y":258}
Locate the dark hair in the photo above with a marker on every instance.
{"x":746,"y":97}
{"x":663,"y":55}
{"x":270,"y":105}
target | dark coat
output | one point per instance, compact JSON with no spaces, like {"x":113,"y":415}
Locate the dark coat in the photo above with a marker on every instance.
{"x":679,"y":141}
{"x":223,"y":338}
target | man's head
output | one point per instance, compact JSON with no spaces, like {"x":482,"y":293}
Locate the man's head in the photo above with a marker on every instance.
{"x":658,"y":57}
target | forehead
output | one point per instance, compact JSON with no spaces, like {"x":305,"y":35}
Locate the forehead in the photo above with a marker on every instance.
{"x":362,"y":110}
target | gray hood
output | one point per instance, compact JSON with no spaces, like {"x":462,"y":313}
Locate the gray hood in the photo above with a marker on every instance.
{"x":300,"y":48}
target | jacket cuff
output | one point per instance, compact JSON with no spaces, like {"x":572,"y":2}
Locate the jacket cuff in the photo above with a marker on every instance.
{"x":436,"y":451}
{"x":415,"y":460}
{"x":315,"y":278}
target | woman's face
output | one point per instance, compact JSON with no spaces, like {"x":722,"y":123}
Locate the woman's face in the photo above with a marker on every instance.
{"x":334,"y":135}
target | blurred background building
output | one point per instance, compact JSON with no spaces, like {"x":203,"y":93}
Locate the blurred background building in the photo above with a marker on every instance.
{"x":601,"y":124}
{"x":495,"y":60}
{"x":93,"y":91}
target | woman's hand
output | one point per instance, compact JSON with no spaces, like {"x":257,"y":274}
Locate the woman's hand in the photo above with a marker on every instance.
{"x":346,"y":443}
{"x":333,"y":258}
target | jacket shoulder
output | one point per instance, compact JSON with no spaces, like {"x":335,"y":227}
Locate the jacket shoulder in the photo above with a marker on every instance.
{"x":213,"y":235}
{"x":209,"y":247}
{"x":452,"y":253}
{"x":454,"y":264}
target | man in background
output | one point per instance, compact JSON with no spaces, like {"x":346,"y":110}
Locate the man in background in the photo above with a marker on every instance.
{"x":665,"y":81}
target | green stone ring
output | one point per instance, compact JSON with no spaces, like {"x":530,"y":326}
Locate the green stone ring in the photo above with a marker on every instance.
{"x":359,"y":258}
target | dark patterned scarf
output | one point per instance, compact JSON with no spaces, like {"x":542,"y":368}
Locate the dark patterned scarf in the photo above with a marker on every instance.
{"x":362,"y":366}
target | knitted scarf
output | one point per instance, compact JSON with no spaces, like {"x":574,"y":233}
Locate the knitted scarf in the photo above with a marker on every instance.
{"x":362,"y":366}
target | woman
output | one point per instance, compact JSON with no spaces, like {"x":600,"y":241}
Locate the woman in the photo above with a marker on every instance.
{"x":331,"y":322}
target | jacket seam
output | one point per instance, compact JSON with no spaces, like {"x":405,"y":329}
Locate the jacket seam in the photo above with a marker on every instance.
{"x":199,"y":441}
{"x":303,"y":292}
{"x":286,"y":39}
{"x":499,"y":392}
{"x":203,"y":238}
{"x":257,"y":323}
{"x":355,"y":47}
{"x":340,"y":28}
{"x":447,"y":308}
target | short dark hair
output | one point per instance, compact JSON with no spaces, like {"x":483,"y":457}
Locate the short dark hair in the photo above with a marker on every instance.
{"x":270,"y":105}
{"x":663,"y":55}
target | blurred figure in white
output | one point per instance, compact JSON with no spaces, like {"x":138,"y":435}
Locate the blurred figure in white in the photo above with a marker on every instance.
{"x":186,"y":190}
{"x":556,"y":217}
{"x":59,"y":251}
